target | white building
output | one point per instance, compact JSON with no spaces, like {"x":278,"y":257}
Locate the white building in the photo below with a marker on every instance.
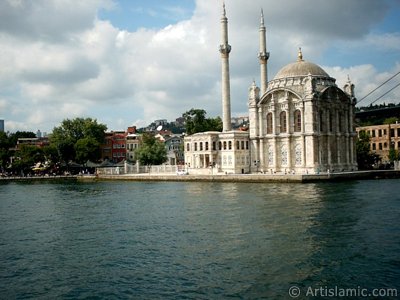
{"x":298,"y":122}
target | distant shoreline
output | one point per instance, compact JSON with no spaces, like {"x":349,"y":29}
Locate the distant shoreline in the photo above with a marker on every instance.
{"x":251,"y":178}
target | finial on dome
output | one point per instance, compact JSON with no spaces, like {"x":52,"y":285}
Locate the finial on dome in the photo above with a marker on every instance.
{"x":299,"y":55}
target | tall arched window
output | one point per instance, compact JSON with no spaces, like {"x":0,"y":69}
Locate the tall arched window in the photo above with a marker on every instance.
{"x":297,"y":120}
{"x":269,"y":123}
{"x":283,"y":122}
{"x":321,"y":122}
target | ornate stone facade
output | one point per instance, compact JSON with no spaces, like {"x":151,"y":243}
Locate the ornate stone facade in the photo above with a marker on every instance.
{"x":303,"y":123}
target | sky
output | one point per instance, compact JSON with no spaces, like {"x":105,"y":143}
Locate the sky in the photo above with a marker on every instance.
{"x":129,"y":63}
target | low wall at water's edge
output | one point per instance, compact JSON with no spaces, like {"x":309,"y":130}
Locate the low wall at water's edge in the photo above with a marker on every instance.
{"x":300,"y":178}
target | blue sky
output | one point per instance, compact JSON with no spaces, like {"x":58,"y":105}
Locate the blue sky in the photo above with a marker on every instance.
{"x":131,"y":62}
{"x":132,"y":14}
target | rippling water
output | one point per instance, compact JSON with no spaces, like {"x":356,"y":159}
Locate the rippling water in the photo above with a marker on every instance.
{"x":135,"y":240}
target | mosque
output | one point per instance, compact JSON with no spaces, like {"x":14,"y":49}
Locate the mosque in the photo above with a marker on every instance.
{"x":299,"y":122}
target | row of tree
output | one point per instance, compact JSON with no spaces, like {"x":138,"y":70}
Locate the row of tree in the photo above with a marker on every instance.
{"x":79,"y":140}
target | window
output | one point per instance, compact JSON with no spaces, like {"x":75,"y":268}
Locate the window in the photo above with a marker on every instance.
{"x":214,"y":147}
{"x":321,"y":122}
{"x":242,"y":145}
{"x":373,"y":133}
{"x":384,"y":131}
{"x":331,"y":122}
{"x":219,"y":145}
{"x":283,"y":122}
{"x":224,"y":145}
{"x":297,"y":120}
{"x":392,"y":132}
{"x":380,"y":146}
{"x":201,"y":146}
{"x":230,"y":145}
{"x":385,"y":145}
{"x":269,"y":123}
{"x":206,"y":146}
{"x":247,"y":145}
{"x":195,"y":146}
{"x":373,"y":146}
{"x":237,"y":145}
{"x":187,"y":147}
{"x":380,"y":132}
{"x":398,"y":132}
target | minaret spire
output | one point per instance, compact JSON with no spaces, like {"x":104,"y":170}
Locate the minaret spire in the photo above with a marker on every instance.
{"x":263,"y":55}
{"x":225,"y":49}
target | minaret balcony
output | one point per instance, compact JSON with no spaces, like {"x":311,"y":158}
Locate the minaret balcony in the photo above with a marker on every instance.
{"x":225,"y":48}
{"x":263,"y":55}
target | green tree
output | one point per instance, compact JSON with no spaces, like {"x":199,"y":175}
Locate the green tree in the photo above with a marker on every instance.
{"x":87,"y":149}
{"x":51,"y":154}
{"x":196,"y":121}
{"x":27,"y":157}
{"x":391,"y":120}
{"x":4,"y":150}
{"x":393,"y":155}
{"x":365,"y":158}
{"x":151,"y":151}
{"x":66,"y":136}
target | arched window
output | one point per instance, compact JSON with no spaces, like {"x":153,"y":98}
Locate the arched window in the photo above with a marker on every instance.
{"x":206,"y":146}
{"x":201,"y":146}
{"x":195,"y":146}
{"x":224,"y":145}
{"x":187,"y":147}
{"x":321,"y":122}
{"x":283,"y":122}
{"x":297,"y":120}
{"x":269,"y":123}
{"x":230,"y":145}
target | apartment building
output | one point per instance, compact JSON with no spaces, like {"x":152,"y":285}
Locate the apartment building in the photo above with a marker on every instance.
{"x":382,"y":138}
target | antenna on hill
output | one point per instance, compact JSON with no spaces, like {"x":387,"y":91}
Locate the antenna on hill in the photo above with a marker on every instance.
{"x":159,"y":127}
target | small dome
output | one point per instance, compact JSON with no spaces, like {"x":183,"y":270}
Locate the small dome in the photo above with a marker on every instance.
{"x":301,"y":68}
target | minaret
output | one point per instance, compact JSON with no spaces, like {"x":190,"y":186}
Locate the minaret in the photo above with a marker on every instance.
{"x":225,"y":49}
{"x":263,"y":55}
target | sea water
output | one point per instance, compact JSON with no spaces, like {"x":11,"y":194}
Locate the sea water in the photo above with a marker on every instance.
{"x":186,"y":240}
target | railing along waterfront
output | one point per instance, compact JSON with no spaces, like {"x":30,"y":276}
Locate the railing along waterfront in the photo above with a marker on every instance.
{"x":137,"y":169}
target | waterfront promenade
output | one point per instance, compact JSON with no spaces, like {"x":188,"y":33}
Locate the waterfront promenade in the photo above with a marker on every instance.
{"x":299,"y":178}
{"x":38,"y":178}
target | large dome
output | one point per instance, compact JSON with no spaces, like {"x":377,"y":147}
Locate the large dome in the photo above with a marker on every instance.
{"x":301,"y":68}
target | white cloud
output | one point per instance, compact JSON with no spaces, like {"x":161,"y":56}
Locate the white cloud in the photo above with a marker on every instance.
{"x":60,"y":61}
{"x":366,"y":78}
